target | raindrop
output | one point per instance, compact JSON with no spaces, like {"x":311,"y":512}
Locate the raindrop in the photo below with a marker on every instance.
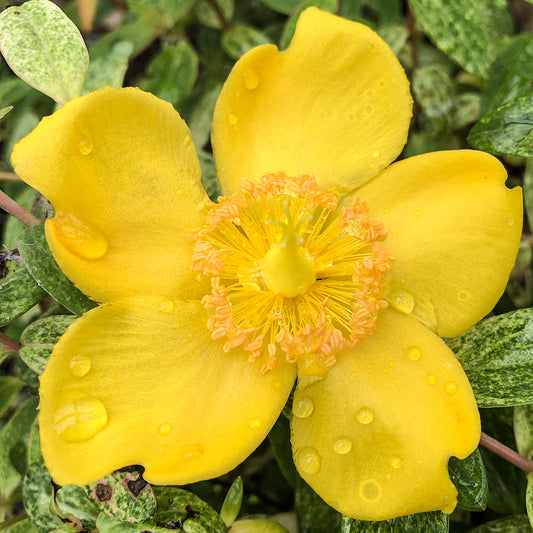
{"x":368,"y":109}
{"x":431,"y":379}
{"x":450,"y":387}
{"x":233,"y":118}
{"x":254,"y":423}
{"x":79,"y":366}
{"x":302,"y":406}
{"x":86,"y":147}
{"x":370,"y":490}
{"x":403,"y":301}
{"x":396,"y":463}
{"x":510,"y":221}
{"x":369,"y":93}
{"x":165,"y":429}
{"x":418,"y":213}
{"x":166,"y":306}
{"x":342,"y":446}
{"x":463,"y":295}
{"x":250,"y":79}
{"x":364,"y":416}
{"x":309,"y":460}
{"x":191,"y":451}
{"x":376,"y":154}
{"x":414,"y":353}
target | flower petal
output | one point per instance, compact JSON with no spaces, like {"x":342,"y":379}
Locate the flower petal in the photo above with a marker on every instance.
{"x":335,"y":104}
{"x":121,"y":170}
{"x":139,"y":381}
{"x":385,"y":420}
{"x":454,"y":234}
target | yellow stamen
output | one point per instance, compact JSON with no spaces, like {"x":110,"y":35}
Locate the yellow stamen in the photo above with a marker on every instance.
{"x":289,"y":273}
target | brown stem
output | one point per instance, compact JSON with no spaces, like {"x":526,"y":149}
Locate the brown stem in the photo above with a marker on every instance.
{"x":10,"y":343}
{"x":8,"y":176}
{"x":220,"y":14}
{"x":506,"y":453}
{"x":9,"y":205}
{"x":12,"y":521}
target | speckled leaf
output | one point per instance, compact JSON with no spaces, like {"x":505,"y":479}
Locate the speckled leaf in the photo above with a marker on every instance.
{"x":173,"y":72}
{"x":458,"y":29}
{"x":506,"y":131}
{"x":42,"y":266}
{"x":330,"y":6}
{"x":25,"y":526}
{"x":435,"y":522}
{"x":523,"y":429}
{"x":241,"y":38}
{"x":509,"y":524}
{"x":109,"y":70}
{"x":5,"y":110}
{"x":34,"y":445}
{"x":232,"y":502}
{"x":12,"y":437}
{"x":469,"y":476}
{"x":214,"y":18}
{"x":125,"y":496}
{"x":37,"y":493}
{"x":18,"y":290}
{"x":177,"y":506}
{"x":465,"y":110}
{"x":107,"y":524}
{"x":496,"y":355}
{"x":39,"y":338}
{"x":510,"y":75}
{"x":44,"y":48}
{"x":73,"y":501}
{"x":9,"y":388}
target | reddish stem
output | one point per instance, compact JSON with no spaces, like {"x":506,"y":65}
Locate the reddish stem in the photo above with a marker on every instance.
{"x":10,"y":343}
{"x":506,"y":453}
{"x":14,"y":209}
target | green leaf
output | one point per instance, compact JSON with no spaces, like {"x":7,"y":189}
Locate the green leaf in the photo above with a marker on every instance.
{"x":12,"y":437}
{"x":458,"y":29}
{"x":125,"y":496}
{"x":282,"y":6}
{"x":465,"y":110}
{"x":209,"y":175}
{"x":9,"y":388}
{"x":42,"y":266}
{"x":39,"y":338}
{"x":173,"y":70}
{"x":280,"y":439}
{"x":257,"y":525}
{"x":435,"y":522}
{"x":177,"y":505}
{"x":219,"y":17}
{"x":5,"y":110}
{"x":73,"y":501}
{"x":496,"y":356}
{"x":241,"y":38}
{"x":470,"y":479}
{"x":37,"y":494}
{"x":107,"y":524}
{"x":508,"y":130}
{"x":25,"y":526}
{"x":523,"y":430}
{"x":509,"y":524}
{"x":44,"y":48}
{"x":161,"y":13}
{"x":34,"y":445}
{"x":330,"y":6}
{"x":510,"y":75}
{"x":13,"y":227}
{"x":232,"y":502}
{"x":109,"y":70}
{"x":528,"y":191}
{"x":138,"y":33}
{"x":18,"y":290}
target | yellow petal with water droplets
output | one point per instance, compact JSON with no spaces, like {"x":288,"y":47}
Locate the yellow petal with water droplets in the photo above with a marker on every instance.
{"x":154,"y":389}
{"x":383,"y":429}
{"x":335,"y":104}
{"x":121,"y":170}
{"x":454,"y":234}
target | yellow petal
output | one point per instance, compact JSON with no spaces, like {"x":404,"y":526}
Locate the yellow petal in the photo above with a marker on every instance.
{"x":375,"y":445}
{"x":121,"y":170}
{"x":335,"y":104}
{"x":139,"y":381}
{"x":454,"y":234}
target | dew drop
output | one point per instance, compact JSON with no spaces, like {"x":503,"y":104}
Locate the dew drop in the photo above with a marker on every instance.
{"x":79,"y":366}
{"x":364,"y":416}
{"x":78,"y":237}
{"x":370,"y":490}
{"x":254,"y":423}
{"x":191,"y":451}
{"x":369,"y":93}
{"x":250,"y":79}
{"x":166,"y":306}
{"x":233,"y":118}
{"x":414,"y":353}
{"x":396,"y":463}
{"x":302,"y":406}
{"x":86,"y":147}
{"x":510,"y":221}
{"x":447,"y":364}
{"x":418,"y":213}
{"x":388,"y":477}
{"x":165,"y":429}
{"x":386,"y":210}
{"x":450,"y":387}
{"x":79,"y":417}
{"x":368,"y":109}
{"x":376,"y":154}
{"x":431,"y":379}
{"x":391,"y":363}
{"x":463,"y":295}
{"x":403,"y":301}
{"x":381,"y":84}
{"x":277,"y":384}
{"x":309,"y":460}
{"x":342,"y":446}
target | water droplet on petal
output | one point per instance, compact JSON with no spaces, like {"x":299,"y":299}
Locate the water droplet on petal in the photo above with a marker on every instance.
{"x":86,"y":147}
{"x":254,"y":423}
{"x":391,"y":363}
{"x":277,"y":384}
{"x":370,"y":490}
{"x":431,"y":379}
{"x":396,"y":463}
{"x":403,"y":301}
{"x":165,"y":429}
{"x":191,"y":451}
{"x":381,"y":84}
{"x":450,"y":387}
{"x":79,"y":417}
{"x":386,"y":210}
{"x":463,"y":295}
{"x":79,"y":366}
{"x":364,"y":416}
{"x":418,"y":213}
{"x":510,"y":221}
{"x":369,"y":93}
{"x":302,"y":406}
{"x":342,"y":446}
{"x":78,"y":237}
{"x":166,"y":306}
{"x":376,"y":154}
{"x":414,"y":353}
{"x":250,"y":79}
{"x":233,"y":118}
{"x":369,"y":109}
{"x":309,"y":460}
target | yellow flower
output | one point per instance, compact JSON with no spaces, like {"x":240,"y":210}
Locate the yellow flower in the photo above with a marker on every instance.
{"x":321,"y":261}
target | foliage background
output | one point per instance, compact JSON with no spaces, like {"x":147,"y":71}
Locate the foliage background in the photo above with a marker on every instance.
{"x":470,"y":63}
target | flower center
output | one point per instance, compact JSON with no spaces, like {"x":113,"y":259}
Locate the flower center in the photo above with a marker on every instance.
{"x":290,"y":272}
